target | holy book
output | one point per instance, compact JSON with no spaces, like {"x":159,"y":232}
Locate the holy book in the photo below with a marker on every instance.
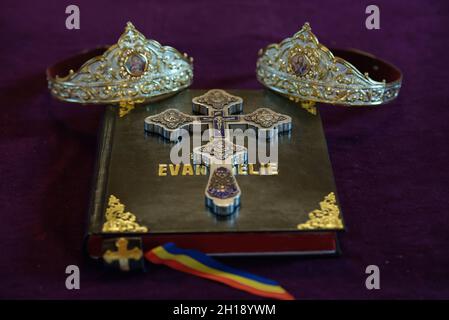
{"x":243,"y":206}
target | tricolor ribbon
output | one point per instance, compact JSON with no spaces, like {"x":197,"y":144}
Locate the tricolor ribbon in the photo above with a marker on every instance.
{"x":201,"y":265}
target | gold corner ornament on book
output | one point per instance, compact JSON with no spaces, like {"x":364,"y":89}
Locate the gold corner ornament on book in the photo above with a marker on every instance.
{"x":117,"y":220}
{"x":134,"y":70}
{"x":303,"y":69}
{"x":327,"y":217}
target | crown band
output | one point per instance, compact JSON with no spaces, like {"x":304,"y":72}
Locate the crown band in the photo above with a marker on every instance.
{"x":303,"y":69}
{"x":133,"y":70}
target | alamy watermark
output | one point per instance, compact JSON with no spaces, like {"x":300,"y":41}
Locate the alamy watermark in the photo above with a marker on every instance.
{"x":373,"y":280}
{"x":372,"y":21}
{"x":261,"y":145}
{"x":73,"y":19}
{"x":72,"y":282}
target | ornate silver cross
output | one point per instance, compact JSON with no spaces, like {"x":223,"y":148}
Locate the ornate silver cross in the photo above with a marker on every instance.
{"x":217,"y":109}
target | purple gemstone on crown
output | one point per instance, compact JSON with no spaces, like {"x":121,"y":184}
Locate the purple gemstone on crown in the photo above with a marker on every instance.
{"x":299,"y":64}
{"x":135,"y":64}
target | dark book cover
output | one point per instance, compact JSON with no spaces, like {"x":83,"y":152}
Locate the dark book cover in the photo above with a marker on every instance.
{"x":139,"y":194}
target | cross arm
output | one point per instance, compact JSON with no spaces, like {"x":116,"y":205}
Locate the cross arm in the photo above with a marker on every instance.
{"x":169,"y":123}
{"x":264,"y":119}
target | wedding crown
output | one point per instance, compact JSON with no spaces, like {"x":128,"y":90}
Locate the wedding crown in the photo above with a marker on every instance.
{"x":305,"y":70}
{"x":132,"y":71}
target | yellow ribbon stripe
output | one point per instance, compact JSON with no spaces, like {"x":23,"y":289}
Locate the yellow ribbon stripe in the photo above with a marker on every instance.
{"x":191,"y":263}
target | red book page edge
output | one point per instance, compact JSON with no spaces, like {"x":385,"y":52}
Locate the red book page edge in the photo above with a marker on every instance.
{"x":237,"y":243}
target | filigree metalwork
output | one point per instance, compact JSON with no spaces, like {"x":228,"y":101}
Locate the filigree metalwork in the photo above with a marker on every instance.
{"x":221,"y":149}
{"x":126,"y":107}
{"x":172,"y":119}
{"x":132,"y":70}
{"x":309,"y":106}
{"x":302,"y":68}
{"x":327,"y":217}
{"x":265,"y":118}
{"x":217,"y":99}
{"x":123,"y":254}
{"x":117,"y":220}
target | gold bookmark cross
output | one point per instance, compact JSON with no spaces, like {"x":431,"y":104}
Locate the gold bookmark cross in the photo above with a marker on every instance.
{"x":122,"y":255}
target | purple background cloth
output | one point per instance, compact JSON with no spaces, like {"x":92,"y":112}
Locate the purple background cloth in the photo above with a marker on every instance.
{"x":390,"y":162}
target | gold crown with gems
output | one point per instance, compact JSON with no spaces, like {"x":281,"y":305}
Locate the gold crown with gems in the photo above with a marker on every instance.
{"x":304,"y":70}
{"x":134,"y":70}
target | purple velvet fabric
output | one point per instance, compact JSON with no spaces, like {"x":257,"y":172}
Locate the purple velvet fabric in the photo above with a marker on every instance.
{"x":390,"y":162}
